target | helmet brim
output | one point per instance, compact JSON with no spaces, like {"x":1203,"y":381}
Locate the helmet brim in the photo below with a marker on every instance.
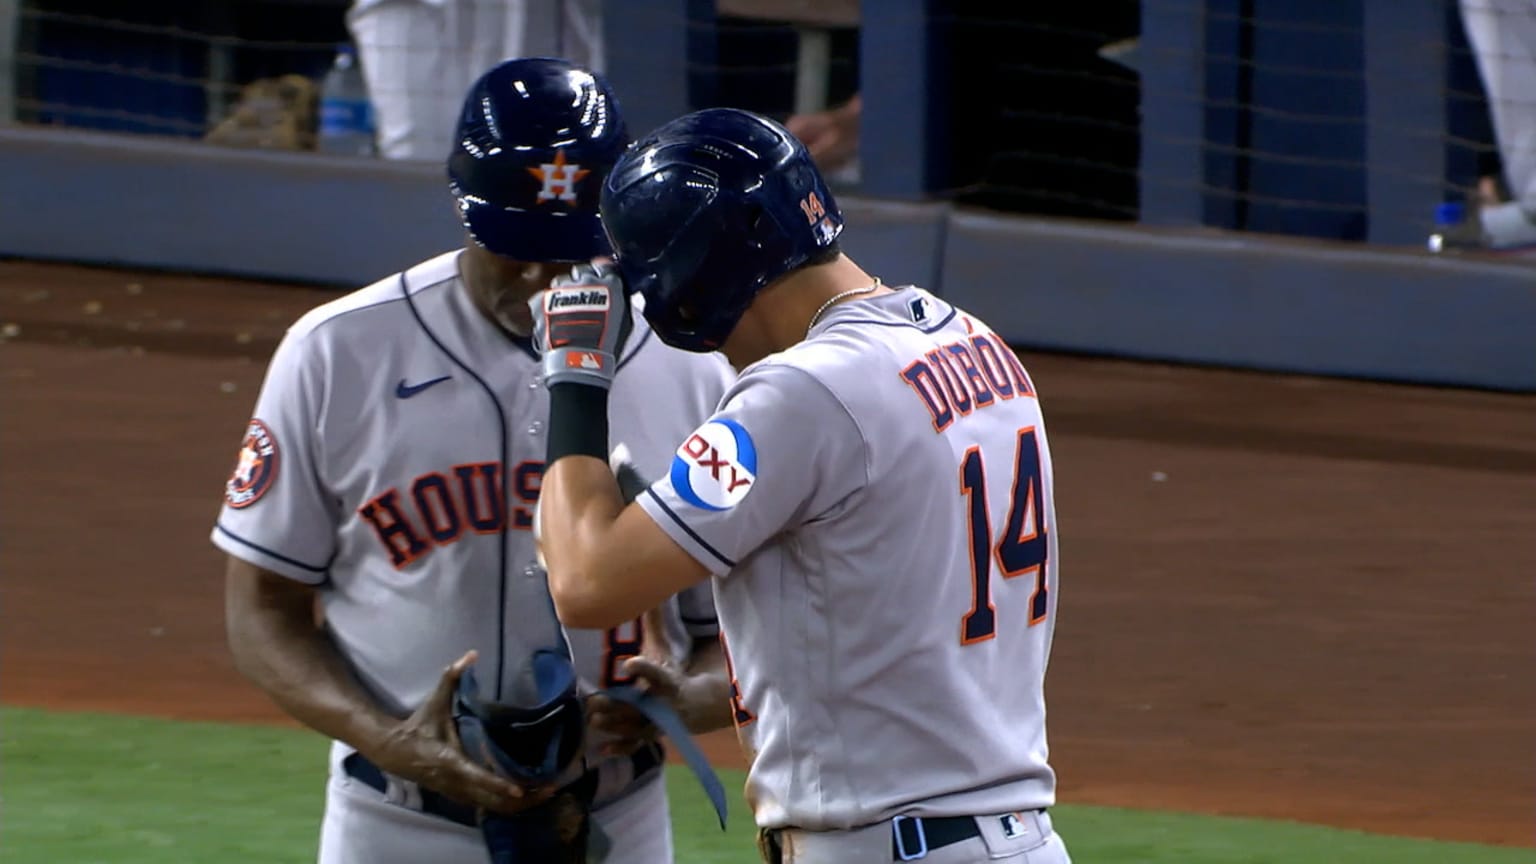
{"x":525,"y":235}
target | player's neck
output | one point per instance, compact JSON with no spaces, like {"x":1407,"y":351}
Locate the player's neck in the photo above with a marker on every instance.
{"x":808,"y":293}
{"x":780,"y":316}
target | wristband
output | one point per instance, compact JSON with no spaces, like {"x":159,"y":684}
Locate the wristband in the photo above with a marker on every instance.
{"x":578,"y":421}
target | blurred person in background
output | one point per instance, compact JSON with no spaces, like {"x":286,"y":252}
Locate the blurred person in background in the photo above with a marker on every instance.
{"x":831,"y":136}
{"x":1055,"y":130}
{"x":762,"y":44}
{"x":419,"y":57}
{"x":1503,"y":37}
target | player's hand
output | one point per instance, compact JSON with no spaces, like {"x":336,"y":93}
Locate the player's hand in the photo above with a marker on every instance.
{"x":425,"y":748}
{"x":703,"y":701}
{"x":579,"y":324}
{"x":617,"y":728}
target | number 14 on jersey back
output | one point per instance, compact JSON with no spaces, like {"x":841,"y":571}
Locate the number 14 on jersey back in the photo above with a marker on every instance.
{"x":1022,"y":549}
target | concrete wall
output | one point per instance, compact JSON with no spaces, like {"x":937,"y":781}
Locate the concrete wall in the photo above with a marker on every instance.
{"x":1231,"y":300}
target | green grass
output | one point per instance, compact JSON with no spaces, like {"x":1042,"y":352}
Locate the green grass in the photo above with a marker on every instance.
{"x":88,"y":788}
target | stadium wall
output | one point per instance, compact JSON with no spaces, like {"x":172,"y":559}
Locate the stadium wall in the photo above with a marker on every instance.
{"x":1202,"y":297}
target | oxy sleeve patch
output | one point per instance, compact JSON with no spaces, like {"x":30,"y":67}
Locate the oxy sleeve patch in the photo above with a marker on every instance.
{"x":255,"y":467}
{"x":716,"y":467}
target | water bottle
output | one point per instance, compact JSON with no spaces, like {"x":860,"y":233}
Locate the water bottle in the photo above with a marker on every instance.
{"x":1448,"y":218}
{"x":346,"y":116}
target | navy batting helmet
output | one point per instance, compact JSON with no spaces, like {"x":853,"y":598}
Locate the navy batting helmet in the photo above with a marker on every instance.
{"x":534,"y":141}
{"x":708,"y":210}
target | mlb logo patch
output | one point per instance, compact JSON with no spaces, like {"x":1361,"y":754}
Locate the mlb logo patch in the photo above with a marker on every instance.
{"x":1013,"y":826}
{"x":918,"y":309}
{"x":584,"y":360}
{"x":716,"y":467}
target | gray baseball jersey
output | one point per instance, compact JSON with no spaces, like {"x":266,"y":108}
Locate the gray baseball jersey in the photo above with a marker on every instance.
{"x":394,"y":460}
{"x":876,"y":506}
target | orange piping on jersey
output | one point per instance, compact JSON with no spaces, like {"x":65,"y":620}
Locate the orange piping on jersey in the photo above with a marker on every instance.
{"x":932,"y":394}
{"x":969,"y":494}
{"x":449,"y":506}
{"x":398,"y":525}
{"x":992,"y":367}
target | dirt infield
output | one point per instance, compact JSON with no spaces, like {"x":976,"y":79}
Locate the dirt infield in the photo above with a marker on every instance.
{"x":1281,"y":597}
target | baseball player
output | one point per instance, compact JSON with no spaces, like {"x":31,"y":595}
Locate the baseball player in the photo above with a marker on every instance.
{"x":873,"y":499}
{"x":419,"y":56}
{"x":1503,"y":37}
{"x":390,"y":475}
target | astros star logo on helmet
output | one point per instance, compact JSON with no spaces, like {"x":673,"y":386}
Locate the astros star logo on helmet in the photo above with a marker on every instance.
{"x":559,"y":179}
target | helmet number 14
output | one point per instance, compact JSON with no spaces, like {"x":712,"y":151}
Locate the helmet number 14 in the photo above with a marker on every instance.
{"x":813,"y":209}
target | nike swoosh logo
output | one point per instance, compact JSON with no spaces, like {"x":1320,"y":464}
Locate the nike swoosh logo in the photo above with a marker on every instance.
{"x":406,"y":391}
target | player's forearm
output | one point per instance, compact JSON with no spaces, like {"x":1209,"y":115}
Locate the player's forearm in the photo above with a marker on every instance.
{"x":607,"y":562}
{"x":305,"y":676}
{"x":579,"y":503}
{"x":277,"y":646}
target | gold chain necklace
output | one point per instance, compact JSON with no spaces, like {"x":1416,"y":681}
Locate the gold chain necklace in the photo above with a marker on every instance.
{"x":841,"y":295}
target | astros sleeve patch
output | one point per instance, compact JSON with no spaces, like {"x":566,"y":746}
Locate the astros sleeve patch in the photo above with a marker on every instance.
{"x":255,"y":467}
